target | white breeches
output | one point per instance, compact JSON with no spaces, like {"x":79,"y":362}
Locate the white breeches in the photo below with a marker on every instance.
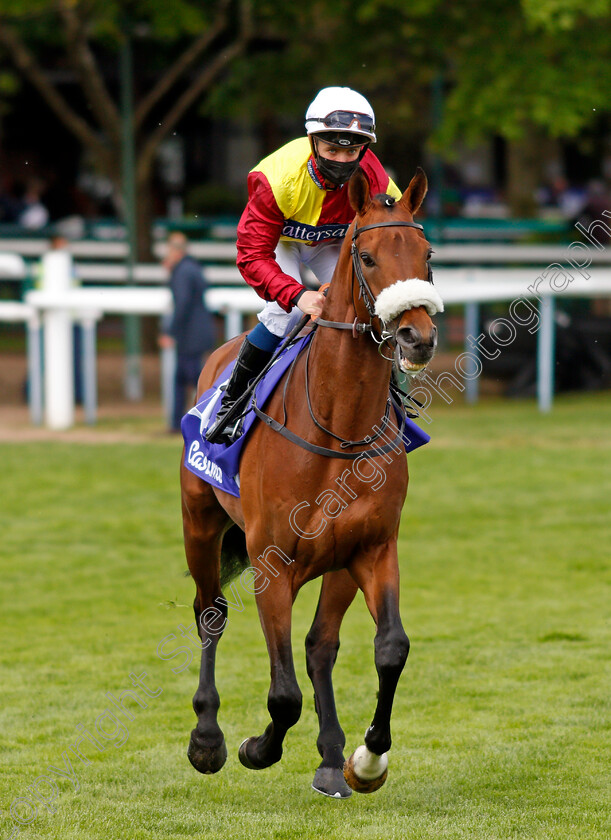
{"x":321,"y":259}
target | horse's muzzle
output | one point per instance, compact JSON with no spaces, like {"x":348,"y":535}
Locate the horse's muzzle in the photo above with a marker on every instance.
{"x":415,"y":347}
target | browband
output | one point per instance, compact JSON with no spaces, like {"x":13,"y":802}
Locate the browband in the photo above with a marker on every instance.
{"x":386,"y":224}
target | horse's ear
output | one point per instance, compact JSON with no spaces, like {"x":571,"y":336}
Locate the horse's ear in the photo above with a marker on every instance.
{"x":359,"y":193}
{"x":413,"y":196}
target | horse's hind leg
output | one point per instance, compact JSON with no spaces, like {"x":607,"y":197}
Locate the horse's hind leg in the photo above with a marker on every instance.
{"x":322,"y":644}
{"x":378,"y":576}
{"x":284,"y":697}
{"x":204,"y":523}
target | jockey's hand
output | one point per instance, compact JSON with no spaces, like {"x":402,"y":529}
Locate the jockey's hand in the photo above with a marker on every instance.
{"x":311,"y":303}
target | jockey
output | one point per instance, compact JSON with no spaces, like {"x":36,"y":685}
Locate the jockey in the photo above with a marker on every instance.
{"x":297,"y":214}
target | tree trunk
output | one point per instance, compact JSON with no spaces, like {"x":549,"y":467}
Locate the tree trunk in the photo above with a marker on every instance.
{"x":524,"y":172}
{"x":145,"y":214}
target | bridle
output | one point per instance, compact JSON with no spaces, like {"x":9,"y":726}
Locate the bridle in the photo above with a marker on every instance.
{"x":364,"y":289}
{"x":365,"y":292}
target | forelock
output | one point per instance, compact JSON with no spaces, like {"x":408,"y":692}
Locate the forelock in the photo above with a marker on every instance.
{"x":385,"y":199}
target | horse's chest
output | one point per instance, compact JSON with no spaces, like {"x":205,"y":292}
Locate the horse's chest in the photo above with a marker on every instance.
{"x":351,"y":509}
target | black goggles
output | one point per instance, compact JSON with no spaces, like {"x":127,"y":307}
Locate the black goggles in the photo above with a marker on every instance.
{"x":346,"y":119}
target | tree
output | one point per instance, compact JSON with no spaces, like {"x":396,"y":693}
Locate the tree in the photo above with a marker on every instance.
{"x":519,"y":70}
{"x":185,"y":50}
{"x":524,"y":71}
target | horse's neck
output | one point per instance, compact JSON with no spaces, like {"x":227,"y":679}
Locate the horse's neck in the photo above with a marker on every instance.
{"x":348,"y":378}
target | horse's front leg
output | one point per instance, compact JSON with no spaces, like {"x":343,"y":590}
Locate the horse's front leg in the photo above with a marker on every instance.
{"x":377,"y":574}
{"x":284,"y":699}
{"x":322,"y":644}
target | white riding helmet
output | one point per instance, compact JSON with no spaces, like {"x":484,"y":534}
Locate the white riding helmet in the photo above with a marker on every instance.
{"x":341,"y":109}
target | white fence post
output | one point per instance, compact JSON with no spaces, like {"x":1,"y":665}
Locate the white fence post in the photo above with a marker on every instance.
{"x":34,"y":352}
{"x":546,"y":355}
{"x":471,"y":330}
{"x":58,"y":344}
{"x":168,"y":372}
{"x":89,"y":368}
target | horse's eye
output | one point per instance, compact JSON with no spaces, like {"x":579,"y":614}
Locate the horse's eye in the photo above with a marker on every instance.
{"x":367,"y":260}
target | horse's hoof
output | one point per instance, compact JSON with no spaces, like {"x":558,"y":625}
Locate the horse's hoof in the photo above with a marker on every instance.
{"x":365,"y":771}
{"x":330,"y":782}
{"x":206,"y":759}
{"x":244,"y":757}
{"x":248,"y":760}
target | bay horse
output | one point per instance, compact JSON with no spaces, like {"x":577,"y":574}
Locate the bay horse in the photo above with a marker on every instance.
{"x":308,"y":514}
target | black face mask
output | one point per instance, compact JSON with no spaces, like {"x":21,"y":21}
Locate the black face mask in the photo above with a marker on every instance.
{"x":334,"y":171}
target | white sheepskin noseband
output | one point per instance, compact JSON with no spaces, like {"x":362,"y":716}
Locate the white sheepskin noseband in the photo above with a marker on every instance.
{"x":407,"y":294}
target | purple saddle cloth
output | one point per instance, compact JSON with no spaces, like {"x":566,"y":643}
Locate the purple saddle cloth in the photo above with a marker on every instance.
{"x":218,"y":463}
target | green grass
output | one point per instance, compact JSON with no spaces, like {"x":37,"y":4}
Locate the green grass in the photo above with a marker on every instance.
{"x":500,"y":728}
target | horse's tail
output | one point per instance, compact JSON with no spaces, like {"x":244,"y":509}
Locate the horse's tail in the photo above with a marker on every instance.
{"x":234,"y":557}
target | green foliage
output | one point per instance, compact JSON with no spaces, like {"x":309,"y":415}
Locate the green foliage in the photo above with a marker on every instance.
{"x":512,"y":77}
{"x":564,"y":14}
{"x":9,"y":84}
{"x":507,"y":66}
{"x":107,"y":19}
{"x":24,"y":9}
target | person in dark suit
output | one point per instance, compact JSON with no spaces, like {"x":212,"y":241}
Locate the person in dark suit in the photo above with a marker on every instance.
{"x":191,"y":328}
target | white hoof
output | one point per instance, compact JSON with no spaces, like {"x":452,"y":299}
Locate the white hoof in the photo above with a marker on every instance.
{"x":368,"y":765}
{"x":365,"y":771}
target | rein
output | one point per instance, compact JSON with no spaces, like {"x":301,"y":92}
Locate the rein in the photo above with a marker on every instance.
{"x":280,"y":427}
{"x":323,"y":450}
{"x":343,"y":443}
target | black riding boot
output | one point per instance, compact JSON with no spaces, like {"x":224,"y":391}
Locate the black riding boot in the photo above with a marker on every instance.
{"x":250,"y":362}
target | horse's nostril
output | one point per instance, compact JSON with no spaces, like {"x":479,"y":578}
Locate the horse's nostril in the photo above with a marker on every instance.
{"x":409,"y":336}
